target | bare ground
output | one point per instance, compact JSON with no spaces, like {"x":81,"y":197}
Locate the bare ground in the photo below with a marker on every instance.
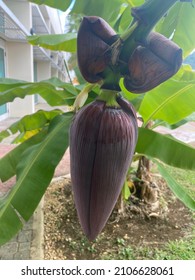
{"x":148,"y":225}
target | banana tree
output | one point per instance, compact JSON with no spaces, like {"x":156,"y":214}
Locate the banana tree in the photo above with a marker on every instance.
{"x":123,"y":38}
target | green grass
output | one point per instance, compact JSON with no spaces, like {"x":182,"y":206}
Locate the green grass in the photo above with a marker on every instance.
{"x":180,"y":250}
{"x":175,"y":250}
{"x":185,"y":178}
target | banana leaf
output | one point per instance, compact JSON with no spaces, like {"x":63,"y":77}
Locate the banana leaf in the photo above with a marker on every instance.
{"x":180,"y":192}
{"x":179,"y":24}
{"x":54,"y":91}
{"x":56,"y":42}
{"x":29,"y":123}
{"x":10,"y":161}
{"x":165,"y":148}
{"x":171,"y":102}
{"x":34,"y":173}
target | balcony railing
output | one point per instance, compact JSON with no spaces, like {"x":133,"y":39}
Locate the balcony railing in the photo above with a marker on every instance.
{"x":11,"y":29}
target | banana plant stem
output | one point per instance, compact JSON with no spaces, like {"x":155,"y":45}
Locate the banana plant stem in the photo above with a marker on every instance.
{"x":145,"y":17}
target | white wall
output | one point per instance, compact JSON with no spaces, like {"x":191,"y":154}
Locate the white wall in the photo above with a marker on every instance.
{"x":19,"y":66}
{"x":20,"y":59}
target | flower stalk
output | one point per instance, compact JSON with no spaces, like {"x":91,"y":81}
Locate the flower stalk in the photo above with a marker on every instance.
{"x":146,"y":16}
{"x":109,"y":97}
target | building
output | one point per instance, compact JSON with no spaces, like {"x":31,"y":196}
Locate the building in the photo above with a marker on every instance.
{"x":19,"y":59}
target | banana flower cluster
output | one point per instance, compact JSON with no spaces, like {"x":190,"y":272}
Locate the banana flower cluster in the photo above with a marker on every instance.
{"x":103,"y":134}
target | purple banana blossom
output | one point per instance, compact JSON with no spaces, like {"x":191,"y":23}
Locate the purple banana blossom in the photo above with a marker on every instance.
{"x":102,"y":144}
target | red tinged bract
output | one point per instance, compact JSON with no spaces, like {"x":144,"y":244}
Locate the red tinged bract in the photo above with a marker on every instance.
{"x":154,"y":60}
{"x":102,"y":144}
{"x":152,"y":64}
{"x":94,"y":39}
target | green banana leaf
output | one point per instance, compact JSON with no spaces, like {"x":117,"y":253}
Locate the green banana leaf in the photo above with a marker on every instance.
{"x":135,"y":99}
{"x":175,"y":187}
{"x":172,"y":101}
{"x":106,"y":9}
{"x":179,"y":24}
{"x":4,"y":134}
{"x":57,"y":42}
{"x":165,"y":148}
{"x":54,"y":91}
{"x":30,"y":123}
{"x":59,"y":4}
{"x":125,"y":18}
{"x":185,"y":74}
{"x":10,"y":161}
{"x":35,"y":121}
{"x":109,"y":10}
{"x":34,"y":174}
{"x":6,"y":83}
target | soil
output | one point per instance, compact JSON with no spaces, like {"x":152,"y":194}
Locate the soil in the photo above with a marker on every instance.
{"x":144,"y":224}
